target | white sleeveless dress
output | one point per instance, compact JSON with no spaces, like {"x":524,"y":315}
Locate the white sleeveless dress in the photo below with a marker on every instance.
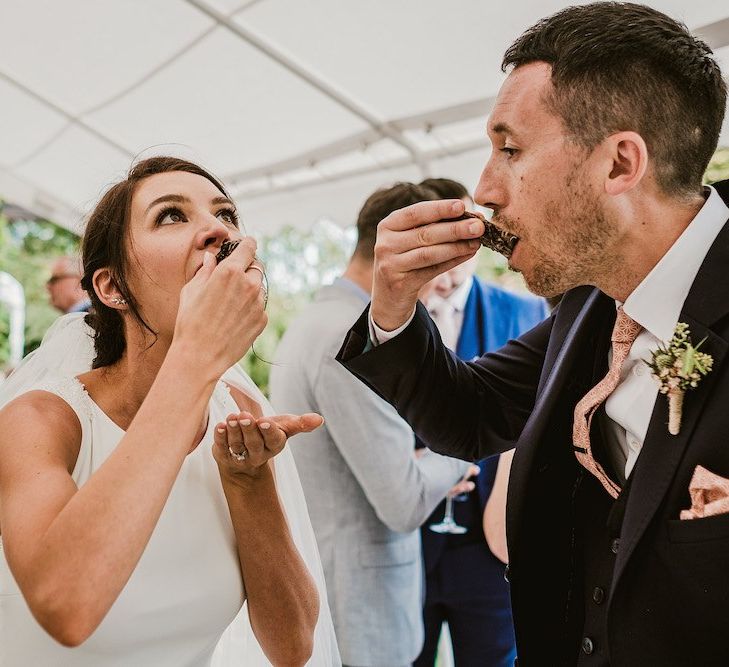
{"x":186,"y":588}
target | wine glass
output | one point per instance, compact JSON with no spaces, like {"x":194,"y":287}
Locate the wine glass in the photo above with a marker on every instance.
{"x":448,"y":526}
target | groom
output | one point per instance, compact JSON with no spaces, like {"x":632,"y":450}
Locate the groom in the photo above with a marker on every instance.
{"x":601,"y":134}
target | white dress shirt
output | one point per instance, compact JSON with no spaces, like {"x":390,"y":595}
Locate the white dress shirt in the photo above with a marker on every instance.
{"x":447,"y":313}
{"x":655,"y":304}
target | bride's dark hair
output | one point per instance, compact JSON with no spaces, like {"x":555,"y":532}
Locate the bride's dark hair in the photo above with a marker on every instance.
{"x":104,"y":244}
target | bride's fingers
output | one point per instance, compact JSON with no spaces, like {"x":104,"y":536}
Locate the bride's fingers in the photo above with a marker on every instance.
{"x":274,"y":437}
{"x":220,"y":438}
{"x":221,"y":452}
{"x":234,"y":435}
{"x":293,"y":424}
{"x":252,"y":438}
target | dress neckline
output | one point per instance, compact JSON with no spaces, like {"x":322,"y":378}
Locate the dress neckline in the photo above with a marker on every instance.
{"x":207,"y":433}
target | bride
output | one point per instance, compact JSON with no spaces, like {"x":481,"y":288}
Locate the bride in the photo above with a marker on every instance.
{"x":140,"y":501}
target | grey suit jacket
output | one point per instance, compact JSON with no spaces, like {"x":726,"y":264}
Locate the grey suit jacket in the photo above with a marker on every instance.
{"x":366,"y":492}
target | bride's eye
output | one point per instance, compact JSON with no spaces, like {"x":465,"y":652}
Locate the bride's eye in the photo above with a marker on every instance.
{"x":228,"y":216}
{"x":170,"y":216}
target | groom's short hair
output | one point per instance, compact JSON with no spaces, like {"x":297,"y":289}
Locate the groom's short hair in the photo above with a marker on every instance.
{"x":622,"y":66}
{"x":379,"y":205}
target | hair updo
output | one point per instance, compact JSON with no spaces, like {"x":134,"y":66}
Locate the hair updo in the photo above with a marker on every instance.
{"x":104,"y":245}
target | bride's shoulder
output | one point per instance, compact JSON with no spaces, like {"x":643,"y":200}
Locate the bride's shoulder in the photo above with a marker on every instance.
{"x":53,"y":399}
{"x":43,"y":415}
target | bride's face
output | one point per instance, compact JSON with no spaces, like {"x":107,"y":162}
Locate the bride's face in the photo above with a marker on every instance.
{"x":175,"y":217}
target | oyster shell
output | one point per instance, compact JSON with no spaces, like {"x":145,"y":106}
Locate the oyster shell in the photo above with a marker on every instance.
{"x":493,"y":237}
{"x":225,"y":249}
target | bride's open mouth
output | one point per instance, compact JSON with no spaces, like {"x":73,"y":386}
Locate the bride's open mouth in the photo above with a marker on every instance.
{"x":495,"y":238}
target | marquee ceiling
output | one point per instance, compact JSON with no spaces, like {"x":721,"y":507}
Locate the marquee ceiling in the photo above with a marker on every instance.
{"x":302,"y":107}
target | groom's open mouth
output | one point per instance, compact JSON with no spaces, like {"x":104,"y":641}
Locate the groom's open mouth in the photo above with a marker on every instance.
{"x":495,"y":238}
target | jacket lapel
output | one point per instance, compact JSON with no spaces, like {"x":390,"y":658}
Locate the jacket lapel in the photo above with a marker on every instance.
{"x":559,"y":367}
{"x":706,"y":304}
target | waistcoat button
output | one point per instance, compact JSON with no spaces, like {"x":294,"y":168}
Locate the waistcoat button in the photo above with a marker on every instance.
{"x":615,"y":545}
{"x":598,"y":595}
{"x":587,"y":646}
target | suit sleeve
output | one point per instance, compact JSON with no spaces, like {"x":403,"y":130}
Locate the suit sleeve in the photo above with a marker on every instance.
{"x":468,"y":410}
{"x":378,"y":447}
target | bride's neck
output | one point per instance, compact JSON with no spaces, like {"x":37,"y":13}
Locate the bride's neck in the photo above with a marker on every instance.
{"x":132,"y":376}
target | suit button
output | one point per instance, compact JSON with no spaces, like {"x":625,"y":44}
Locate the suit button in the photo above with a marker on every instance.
{"x":587,"y":646}
{"x":615,"y":545}
{"x":598,"y":595}
{"x":506,"y":572}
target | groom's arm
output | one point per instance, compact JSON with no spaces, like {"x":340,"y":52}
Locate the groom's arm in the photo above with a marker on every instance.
{"x":469,"y":410}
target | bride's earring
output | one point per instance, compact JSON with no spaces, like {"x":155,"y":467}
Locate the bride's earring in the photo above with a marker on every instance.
{"x":118,"y":301}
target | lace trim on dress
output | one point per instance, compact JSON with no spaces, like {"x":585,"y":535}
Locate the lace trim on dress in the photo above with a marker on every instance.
{"x":72,"y":391}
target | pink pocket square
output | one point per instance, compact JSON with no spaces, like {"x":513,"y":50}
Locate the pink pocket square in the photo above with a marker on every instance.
{"x":709,"y":495}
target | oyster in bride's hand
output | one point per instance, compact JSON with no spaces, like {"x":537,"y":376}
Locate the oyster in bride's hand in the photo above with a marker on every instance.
{"x":225,"y":249}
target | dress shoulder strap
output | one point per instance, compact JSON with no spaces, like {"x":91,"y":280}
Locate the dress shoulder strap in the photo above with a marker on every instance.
{"x":72,"y":392}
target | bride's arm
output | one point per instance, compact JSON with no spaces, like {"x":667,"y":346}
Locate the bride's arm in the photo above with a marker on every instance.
{"x":72,"y":550}
{"x":283,"y":602}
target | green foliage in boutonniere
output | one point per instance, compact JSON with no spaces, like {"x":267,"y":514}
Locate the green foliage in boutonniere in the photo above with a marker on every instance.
{"x":678,"y":366}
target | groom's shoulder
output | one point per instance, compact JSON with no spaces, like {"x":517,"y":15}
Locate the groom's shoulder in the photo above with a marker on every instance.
{"x":574,"y":300}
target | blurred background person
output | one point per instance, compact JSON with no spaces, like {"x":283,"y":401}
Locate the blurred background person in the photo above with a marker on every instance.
{"x":465,"y":585}
{"x":366,"y":491}
{"x":12,"y":322}
{"x":64,"y":286}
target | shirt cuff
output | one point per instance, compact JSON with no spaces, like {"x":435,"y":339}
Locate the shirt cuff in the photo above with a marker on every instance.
{"x":379,"y":336}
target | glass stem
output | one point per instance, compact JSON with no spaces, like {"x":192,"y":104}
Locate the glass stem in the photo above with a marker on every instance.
{"x":448,"y":509}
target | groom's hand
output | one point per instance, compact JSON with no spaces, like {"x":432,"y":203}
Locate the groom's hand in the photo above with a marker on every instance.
{"x":415,"y":244}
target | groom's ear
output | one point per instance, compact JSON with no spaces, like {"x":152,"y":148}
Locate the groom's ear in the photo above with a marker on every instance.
{"x":627,"y":157}
{"x":106,"y":289}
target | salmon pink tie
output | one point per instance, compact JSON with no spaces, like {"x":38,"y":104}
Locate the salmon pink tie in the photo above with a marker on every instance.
{"x":625,"y":332}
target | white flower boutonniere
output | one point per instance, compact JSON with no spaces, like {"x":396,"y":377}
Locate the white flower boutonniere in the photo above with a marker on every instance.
{"x":678,"y":366}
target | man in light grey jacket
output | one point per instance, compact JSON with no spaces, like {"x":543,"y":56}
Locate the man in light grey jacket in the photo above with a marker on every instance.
{"x":366,"y":491}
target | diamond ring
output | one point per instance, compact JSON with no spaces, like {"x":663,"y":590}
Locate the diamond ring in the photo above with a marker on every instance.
{"x":239,"y":457}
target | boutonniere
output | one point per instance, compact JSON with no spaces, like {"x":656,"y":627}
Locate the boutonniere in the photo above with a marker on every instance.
{"x":678,"y":366}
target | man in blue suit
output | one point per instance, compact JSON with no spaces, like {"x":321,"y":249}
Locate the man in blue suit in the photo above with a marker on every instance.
{"x":465,"y":584}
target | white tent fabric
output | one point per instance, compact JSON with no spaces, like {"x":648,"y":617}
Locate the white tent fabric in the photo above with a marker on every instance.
{"x":302,"y":107}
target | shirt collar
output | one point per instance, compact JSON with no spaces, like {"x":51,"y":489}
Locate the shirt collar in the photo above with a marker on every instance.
{"x":79,"y":306}
{"x":457,"y":298}
{"x":347,"y":284}
{"x":657,"y":301}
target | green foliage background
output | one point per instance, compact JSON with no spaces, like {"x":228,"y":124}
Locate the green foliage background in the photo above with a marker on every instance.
{"x":718,"y":168}
{"x":297,"y":264}
{"x":27,"y":248}
{"x":4,"y":335}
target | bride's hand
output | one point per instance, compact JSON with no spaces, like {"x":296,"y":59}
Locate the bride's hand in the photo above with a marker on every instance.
{"x":243,"y":445}
{"x":221,"y":310}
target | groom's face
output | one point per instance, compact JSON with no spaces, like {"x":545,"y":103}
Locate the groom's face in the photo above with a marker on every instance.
{"x":544,"y":187}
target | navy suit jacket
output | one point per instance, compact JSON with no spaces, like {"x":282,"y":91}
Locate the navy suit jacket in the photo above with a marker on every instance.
{"x":668,"y":601}
{"x":491,"y":317}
